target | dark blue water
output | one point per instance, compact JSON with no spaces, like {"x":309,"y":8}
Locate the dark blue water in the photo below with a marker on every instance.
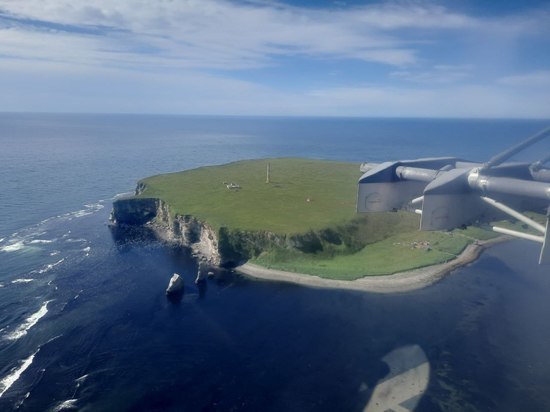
{"x":84,"y":323}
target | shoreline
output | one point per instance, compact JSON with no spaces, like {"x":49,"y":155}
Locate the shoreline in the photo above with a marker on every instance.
{"x":395,"y":283}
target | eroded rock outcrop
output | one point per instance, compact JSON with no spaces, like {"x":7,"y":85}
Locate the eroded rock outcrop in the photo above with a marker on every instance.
{"x":134,"y":211}
{"x":154,"y":214}
{"x":175,"y":286}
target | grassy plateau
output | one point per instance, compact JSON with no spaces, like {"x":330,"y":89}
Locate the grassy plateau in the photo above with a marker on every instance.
{"x":280,"y":206}
{"x":304,"y":219}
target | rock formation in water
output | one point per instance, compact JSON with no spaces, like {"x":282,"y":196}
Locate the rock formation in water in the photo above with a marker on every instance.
{"x":175,"y":286}
{"x":201,"y":273}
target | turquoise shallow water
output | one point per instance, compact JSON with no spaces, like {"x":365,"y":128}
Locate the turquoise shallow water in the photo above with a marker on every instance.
{"x":84,"y":322}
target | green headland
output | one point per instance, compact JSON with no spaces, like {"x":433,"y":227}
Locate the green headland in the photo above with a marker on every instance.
{"x":303,"y":219}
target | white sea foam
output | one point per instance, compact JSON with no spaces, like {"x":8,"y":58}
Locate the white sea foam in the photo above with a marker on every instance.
{"x":50,"y":282}
{"x":68,"y":404}
{"x":13,"y":247}
{"x":95,"y":206}
{"x":55,"y":252}
{"x":29,"y":322}
{"x":50,"y":266}
{"x":81,"y":213}
{"x":80,"y":240}
{"x":52,"y":339}
{"x":1,"y":240}
{"x":82,"y":379}
{"x":87,"y":249}
{"x":47,"y":220}
{"x":118,"y":195}
{"x":23,"y":239}
{"x":40,"y":241}
{"x":71,"y":403}
{"x":22,"y":280}
{"x":15,"y":374}
{"x":1,"y":286}
{"x":20,"y":402}
{"x":90,"y":209}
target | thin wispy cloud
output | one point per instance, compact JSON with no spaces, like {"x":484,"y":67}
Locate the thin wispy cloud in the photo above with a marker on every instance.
{"x":538,"y":79}
{"x":265,"y":47}
{"x":209,"y":34}
{"x":438,"y":74}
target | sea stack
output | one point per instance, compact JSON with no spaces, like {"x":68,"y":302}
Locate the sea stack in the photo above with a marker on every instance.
{"x":201,"y":272}
{"x":175,"y":286}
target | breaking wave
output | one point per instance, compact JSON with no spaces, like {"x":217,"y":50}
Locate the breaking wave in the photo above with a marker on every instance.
{"x":29,"y":322}
{"x":68,"y":404}
{"x":31,"y":236}
{"x":71,"y":403}
{"x":41,"y":241}
{"x":13,"y":247}
{"x":80,"y":240}
{"x":81,"y":379}
{"x":22,"y":280}
{"x":89,"y":209}
{"x":50,"y":266}
{"x":15,"y":374}
{"x":119,"y":195}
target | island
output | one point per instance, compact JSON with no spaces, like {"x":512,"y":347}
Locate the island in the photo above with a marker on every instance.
{"x":295,"y":220}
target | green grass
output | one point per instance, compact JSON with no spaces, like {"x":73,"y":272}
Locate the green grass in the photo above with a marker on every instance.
{"x":278,"y":207}
{"x":393,"y":254}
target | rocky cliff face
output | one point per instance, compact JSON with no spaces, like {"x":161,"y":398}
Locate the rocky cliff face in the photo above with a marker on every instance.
{"x":186,"y":231}
{"x":225,"y":246}
{"x":132,"y":211}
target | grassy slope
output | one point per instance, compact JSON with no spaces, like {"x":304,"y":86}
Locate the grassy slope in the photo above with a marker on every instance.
{"x":281,"y":207}
{"x":393,"y":254}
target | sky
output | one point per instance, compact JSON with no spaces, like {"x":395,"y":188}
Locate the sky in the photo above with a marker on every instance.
{"x":451,"y":59}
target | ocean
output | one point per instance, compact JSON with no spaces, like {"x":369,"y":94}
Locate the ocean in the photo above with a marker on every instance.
{"x":85,"y":324}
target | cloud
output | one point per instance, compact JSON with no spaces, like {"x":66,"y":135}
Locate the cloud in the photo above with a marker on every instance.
{"x":190,"y":92}
{"x":225,"y":35}
{"x":536,"y":79}
{"x":466,"y":101}
{"x":62,"y":87}
{"x":191,"y":56}
{"x":438,"y":74}
{"x":394,"y":16}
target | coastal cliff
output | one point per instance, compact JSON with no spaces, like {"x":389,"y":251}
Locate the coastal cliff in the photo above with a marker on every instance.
{"x":223,"y":247}
{"x":229,"y":247}
{"x":185,"y":230}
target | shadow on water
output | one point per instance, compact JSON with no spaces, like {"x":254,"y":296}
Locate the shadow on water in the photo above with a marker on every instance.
{"x":175,"y":298}
{"x":202,"y":286}
{"x":125,"y":236}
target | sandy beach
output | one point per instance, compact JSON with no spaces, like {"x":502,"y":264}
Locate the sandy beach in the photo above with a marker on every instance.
{"x":395,"y":283}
